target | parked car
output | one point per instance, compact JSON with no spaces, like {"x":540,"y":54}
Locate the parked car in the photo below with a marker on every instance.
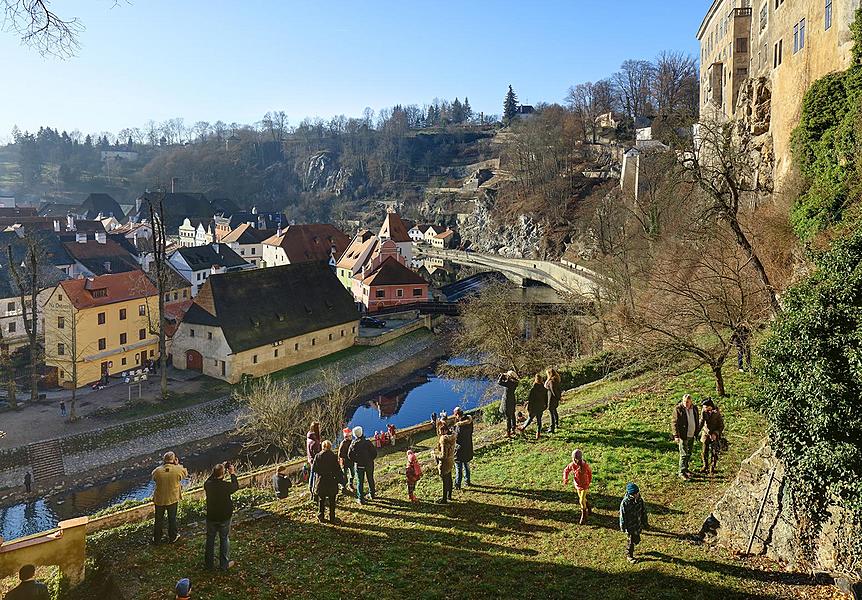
{"x":372,"y":322}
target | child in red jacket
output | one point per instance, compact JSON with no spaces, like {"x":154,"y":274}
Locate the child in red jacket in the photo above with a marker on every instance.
{"x":582,"y":476}
{"x":414,"y":472}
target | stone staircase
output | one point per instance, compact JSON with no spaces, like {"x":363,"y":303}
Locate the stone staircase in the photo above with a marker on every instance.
{"x":46,"y":460}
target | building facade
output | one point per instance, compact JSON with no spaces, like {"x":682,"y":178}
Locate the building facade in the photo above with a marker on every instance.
{"x":100,"y":325}
{"x":788,"y":43}
{"x":260,"y":321}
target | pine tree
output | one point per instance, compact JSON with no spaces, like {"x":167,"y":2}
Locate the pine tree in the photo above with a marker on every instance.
{"x":468,"y":112}
{"x":457,"y":111}
{"x":510,"y":106}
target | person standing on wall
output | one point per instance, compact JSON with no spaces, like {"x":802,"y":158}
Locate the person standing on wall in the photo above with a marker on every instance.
{"x":166,"y":496}
{"x":219,"y":513}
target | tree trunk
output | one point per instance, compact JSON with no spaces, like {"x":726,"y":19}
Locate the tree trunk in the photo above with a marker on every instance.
{"x":719,"y":380}
{"x":163,"y":355}
{"x":743,"y":242}
{"x":33,"y":333}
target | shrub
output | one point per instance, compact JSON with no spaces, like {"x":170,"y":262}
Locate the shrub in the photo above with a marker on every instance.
{"x":593,"y":368}
{"x":491,"y":413}
{"x":812,"y":382}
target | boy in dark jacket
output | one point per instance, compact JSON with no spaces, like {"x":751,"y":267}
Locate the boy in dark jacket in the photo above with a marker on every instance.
{"x":219,"y":513}
{"x":362,"y":452}
{"x":347,"y":466}
{"x":633,"y":519}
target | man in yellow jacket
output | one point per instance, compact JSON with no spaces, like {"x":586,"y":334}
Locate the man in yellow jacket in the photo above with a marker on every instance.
{"x":166,"y":496}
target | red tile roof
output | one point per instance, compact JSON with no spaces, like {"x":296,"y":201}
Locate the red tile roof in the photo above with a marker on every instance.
{"x":310,"y":242}
{"x":392,"y":272}
{"x":394,"y":228}
{"x":119,"y":287}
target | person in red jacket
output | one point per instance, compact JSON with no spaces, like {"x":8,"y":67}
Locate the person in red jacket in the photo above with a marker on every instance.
{"x":582,"y":476}
{"x":414,"y":472}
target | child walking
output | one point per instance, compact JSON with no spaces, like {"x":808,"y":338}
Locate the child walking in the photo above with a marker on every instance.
{"x":633,"y":519}
{"x":414,"y":473}
{"x":582,"y":476}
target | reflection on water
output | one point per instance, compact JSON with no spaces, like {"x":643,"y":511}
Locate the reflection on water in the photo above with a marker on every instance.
{"x":403,"y":406}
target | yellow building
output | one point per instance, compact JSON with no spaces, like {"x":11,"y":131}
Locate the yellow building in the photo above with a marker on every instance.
{"x":100,"y":325}
{"x":787,"y":44}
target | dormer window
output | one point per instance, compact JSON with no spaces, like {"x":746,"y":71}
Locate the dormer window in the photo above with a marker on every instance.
{"x":100,"y":293}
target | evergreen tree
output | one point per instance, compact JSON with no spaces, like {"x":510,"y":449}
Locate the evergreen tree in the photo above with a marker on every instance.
{"x":510,"y":106}
{"x":88,"y":141}
{"x":468,"y":112}
{"x":457,"y":111}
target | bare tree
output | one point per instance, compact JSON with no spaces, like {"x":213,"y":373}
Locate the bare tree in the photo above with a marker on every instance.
{"x":719,"y":161}
{"x":699,"y":290}
{"x":633,"y":84}
{"x":581,"y":99}
{"x":675,"y":84}
{"x":160,"y":275}
{"x":274,"y":416}
{"x":30,"y":279}
{"x":331,"y":408}
{"x":41,"y":28}
{"x":68,"y":351}
{"x":7,"y":370}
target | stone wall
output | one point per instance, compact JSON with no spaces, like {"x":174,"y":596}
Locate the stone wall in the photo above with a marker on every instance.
{"x":778,"y":533}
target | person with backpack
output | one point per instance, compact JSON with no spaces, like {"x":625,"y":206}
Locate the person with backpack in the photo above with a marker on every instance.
{"x":537,"y":402}
{"x":362,"y":453}
{"x":413,"y":473}
{"x":633,"y":519}
{"x":347,"y":466}
{"x":463,"y":447}
{"x":712,"y":428}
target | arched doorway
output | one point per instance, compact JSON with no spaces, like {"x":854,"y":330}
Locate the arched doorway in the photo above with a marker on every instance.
{"x":194,"y":361}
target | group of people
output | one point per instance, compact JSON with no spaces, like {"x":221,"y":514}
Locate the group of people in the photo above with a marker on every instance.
{"x":544,"y":395}
{"x":687,"y":423}
{"x":168,"y":492}
{"x":350,"y":467}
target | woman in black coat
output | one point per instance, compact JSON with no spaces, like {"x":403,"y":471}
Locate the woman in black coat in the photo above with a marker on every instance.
{"x":509,"y":381}
{"x":463,"y":447}
{"x":328,"y":476}
{"x":537,"y":402}
{"x":554,"y":387}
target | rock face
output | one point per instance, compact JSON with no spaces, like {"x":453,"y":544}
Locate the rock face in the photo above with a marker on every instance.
{"x":778,"y":533}
{"x":753,"y":117}
{"x":321,"y":173}
{"x":486,"y":234}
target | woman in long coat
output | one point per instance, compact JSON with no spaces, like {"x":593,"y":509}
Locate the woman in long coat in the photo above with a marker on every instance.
{"x":509,"y":380}
{"x":445,"y":455}
{"x":552,"y":384}
{"x":327,"y":477}
{"x":537,"y":402}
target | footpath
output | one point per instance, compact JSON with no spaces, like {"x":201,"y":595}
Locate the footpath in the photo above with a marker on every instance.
{"x":94,"y":445}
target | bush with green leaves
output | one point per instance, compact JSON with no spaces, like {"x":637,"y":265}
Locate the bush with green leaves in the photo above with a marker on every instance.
{"x":825,"y":145}
{"x":812,"y":382}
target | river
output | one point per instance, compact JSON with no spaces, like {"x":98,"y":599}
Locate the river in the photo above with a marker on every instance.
{"x":409,"y":403}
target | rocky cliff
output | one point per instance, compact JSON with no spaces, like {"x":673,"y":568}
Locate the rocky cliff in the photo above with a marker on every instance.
{"x":779,"y":532}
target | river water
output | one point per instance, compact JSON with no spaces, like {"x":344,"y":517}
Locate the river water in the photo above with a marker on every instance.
{"x":409,"y":403}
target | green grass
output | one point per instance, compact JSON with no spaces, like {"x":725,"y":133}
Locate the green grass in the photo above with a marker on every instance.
{"x":513,"y":535}
{"x":319,"y":363}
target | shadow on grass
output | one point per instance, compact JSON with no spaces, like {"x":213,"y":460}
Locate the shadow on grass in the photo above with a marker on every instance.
{"x":282,"y":557}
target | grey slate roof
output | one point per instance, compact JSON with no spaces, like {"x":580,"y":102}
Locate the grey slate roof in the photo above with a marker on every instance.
{"x":205,"y":257}
{"x":261,"y":306}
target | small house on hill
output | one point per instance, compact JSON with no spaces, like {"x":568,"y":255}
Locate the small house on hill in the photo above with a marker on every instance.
{"x":264,"y":320}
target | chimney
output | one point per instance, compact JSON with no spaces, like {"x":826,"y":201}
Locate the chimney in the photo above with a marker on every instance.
{"x":278,"y":231}
{"x":216,"y":248}
{"x":254,"y":210}
{"x":216,"y":269}
{"x":250,"y":223}
{"x":261,"y":222}
{"x":57,"y":225}
{"x":70,"y":222}
{"x":101,"y":237}
{"x":81,"y":238}
{"x":175,"y":185}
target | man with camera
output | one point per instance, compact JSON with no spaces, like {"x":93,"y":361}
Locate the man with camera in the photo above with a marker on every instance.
{"x":219,"y":513}
{"x":166,"y":496}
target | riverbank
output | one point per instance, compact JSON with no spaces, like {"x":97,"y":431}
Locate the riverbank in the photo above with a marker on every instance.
{"x":514,"y":529}
{"x":143,"y":440}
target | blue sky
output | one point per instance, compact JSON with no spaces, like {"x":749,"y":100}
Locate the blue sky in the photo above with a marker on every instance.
{"x":229,"y":60}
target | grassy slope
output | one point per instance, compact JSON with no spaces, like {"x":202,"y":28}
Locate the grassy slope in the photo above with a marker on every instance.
{"x":515,"y":534}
